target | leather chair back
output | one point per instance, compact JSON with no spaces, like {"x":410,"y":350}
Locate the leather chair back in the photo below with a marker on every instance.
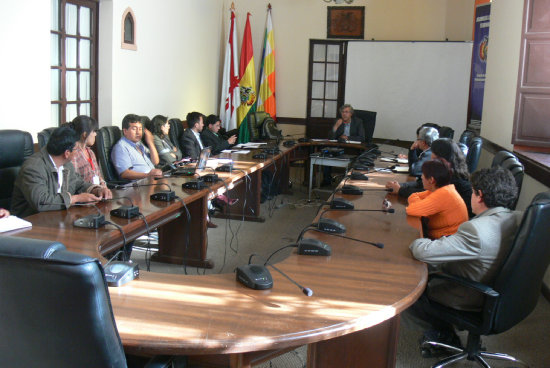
{"x":510,"y":162}
{"x":369,"y":122}
{"x":474,"y":152}
{"x":446,"y":132}
{"x":466,"y":137}
{"x":255,"y":121}
{"x":520,"y":280}
{"x":15,"y":147}
{"x":176,"y":130}
{"x":44,"y":136}
{"x":105,"y":140}
{"x":56,"y":308}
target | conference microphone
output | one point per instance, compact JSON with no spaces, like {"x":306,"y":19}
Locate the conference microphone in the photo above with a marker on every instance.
{"x":126,"y":212}
{"x":307,"y":291}
{"x":378,"y":245}
{"x":385,"y":210}
{"x":164,"y":195}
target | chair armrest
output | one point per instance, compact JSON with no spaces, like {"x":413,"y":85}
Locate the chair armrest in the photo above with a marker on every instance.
{"x":482,"y":288}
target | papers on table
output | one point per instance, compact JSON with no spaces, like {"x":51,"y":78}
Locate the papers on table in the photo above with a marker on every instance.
{"x":250,"y":145}
{"x":402,"y":160}
{"x":13,"y":223}
{"x":401,"y":169}
{"x":239,"y":152}
{"x":396,"y":159}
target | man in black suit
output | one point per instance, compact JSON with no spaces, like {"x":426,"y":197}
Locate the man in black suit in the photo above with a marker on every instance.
{"x":348,"y":127}
{"x":211,"y":138}
{"x":190,"y":141}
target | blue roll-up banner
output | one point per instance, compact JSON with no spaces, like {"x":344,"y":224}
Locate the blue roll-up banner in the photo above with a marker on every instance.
{"x":479,"y":63}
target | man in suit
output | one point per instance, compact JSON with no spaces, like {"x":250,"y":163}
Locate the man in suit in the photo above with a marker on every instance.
{"x":211,"y":138}
{"x":475,"y":252}
{"x":130,"y":156}
{"x":48,"y":181}
{"x":190,"y":141}
{"x":419,"y":153}
{"x":348,"y":127}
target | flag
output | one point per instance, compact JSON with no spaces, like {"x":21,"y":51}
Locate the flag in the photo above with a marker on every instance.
{"x":247,"y":83}
{"x":266,"y":99}
{"x":230,"y":96}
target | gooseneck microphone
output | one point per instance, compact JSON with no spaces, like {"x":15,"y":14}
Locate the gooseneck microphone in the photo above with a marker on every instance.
{"x":376,"y":244}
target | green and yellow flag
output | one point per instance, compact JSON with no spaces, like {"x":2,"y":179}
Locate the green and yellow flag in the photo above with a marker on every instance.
{"x":247,"y":84}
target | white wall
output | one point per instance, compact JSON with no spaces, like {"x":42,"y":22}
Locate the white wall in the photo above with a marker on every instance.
{"x":25,"y":65}
{"x":175,"y":67}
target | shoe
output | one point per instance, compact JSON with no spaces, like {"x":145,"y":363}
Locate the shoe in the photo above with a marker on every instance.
{"x":444,"y":337}
{"x":211,"y":225}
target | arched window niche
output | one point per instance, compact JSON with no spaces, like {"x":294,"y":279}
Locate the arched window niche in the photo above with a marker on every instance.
{"x":128,"y":37}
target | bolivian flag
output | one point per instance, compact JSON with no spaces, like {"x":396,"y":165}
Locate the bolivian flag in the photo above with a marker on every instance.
{"x":247,"y":83}
{"x":266,"y":101}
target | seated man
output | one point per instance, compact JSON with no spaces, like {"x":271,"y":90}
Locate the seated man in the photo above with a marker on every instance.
{"x":419,"y":153}
{"x":347,"y":128}
{"x":129,"y":156}
{"x":211,"y":138}
{"x":190,"y":141}
{"x":476,"y":251}
{"x":47,"y":180}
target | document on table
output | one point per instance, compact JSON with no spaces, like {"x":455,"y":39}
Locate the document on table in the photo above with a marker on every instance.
{"x":13,"y":223}
{"x":239,"y":152}
{"x":250,"y":145}
{"x":401,"y":169}
{"x":402,"y":160}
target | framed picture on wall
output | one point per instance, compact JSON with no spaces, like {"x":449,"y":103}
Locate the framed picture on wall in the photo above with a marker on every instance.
{"x":346,"y":22}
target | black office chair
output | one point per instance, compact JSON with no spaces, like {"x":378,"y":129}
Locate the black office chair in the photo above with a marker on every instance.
{"x":446,"y":132}
{"x":176,"y":130}
{"x":255,"y":122}
{"x":105,"y":140}
{"x":44,"y":136}
{"x":369,"y":123}
{"x":509,"y":161}
{"x":466,"y":137}
{"x":15,"y":147}
{"x":514,"y":294}
{"x":474,"y":152}
{"x":56,"y":307}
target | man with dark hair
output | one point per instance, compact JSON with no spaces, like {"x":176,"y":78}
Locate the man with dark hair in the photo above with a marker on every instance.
{"x":190,"y":141}
{"x":47,"y":180}
{"x":475,"y":252}
{"x":131,"y":157}
{"x":211,"y":138}
{"x":419,"y":153}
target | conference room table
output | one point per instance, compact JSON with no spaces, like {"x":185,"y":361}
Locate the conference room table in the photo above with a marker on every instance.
{"x":351,"y":320}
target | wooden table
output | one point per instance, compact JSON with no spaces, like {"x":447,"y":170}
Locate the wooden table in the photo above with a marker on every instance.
{"x":351,"y":320}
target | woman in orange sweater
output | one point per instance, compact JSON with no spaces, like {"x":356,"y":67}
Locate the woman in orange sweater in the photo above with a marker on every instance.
{"x":440,"y":203}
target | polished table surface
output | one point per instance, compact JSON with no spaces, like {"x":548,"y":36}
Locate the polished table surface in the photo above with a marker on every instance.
{"x":357,"y":287}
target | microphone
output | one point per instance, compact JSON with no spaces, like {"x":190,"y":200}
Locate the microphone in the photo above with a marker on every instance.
{"x":385,"y":210}
{"x":378,"y":245}
{"x":164,"y":195}
{"x":325,"y":226}
{"x":90,"y":221}
{"x":307,"y":291}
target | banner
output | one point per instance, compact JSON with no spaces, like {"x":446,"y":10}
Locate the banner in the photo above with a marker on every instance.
{"x":266,"y":100}
{"x":230,"y":97}
{"x":247,"y":83}
{"x":479,"y":64}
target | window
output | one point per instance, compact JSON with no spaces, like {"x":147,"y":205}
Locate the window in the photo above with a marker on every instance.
{"x":73,"y":59}
{"x":531,"y":127}
{"x":128,"y":41}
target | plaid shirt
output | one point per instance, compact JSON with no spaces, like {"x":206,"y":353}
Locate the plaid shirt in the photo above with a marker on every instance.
{"x":83,"y":167}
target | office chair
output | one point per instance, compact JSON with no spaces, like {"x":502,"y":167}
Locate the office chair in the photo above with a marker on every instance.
{"x":44,"y":136}
{"x":369,"y":123}
{"x":255,"y":121}
{"x":15,"y":147}
{"x":463,"y":148}
{"x":446,"y":132}
{"x":511,"y":298}
{"x":466,"y":137}
{"x":510,"y":162}
{"x":176,"y":130}
{"x":474,"y":152}
{"x":105,"y":140}
{"x":56,"y":307}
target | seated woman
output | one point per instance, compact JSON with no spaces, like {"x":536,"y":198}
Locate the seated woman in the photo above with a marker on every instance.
{"x":210,"y":136}
{"x":147,"y":139}
{"x":449,"y":151}
{"x":167,"y":151}
{"x":83,"y":159}
{"x":440,"y":203}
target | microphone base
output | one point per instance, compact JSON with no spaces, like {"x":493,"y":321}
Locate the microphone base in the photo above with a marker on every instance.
{"x":126,"y":212}
{"x":90,"y":221}
{"x":164,"y":196}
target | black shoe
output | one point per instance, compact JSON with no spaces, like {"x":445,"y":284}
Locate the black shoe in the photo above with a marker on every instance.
{"x":444,"y":337}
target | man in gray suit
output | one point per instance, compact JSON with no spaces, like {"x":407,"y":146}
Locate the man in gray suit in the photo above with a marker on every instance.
{"x":475,"y":252}
{"x":190,"y":141}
